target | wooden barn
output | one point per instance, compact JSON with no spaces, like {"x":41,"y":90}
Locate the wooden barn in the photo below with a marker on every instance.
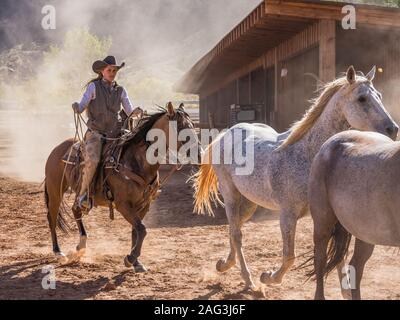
{"x":268,"y":67}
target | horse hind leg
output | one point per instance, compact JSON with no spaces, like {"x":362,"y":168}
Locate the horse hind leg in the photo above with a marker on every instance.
{"x":247,"y":209}
{"x":233,"y":208}
{"x":235,"y":223}
{"x":362,"y":253}
{"x":288,"y":222}
{"x":53,"y":202}
{"x":346,"y":292}
{"x":236,"y":235}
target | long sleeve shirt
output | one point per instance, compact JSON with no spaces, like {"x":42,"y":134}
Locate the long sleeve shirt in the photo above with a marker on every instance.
{"x":90,"y":94}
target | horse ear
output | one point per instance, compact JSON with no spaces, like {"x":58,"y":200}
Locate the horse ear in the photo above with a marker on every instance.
{"x":351,"y":75}
{"x":182,"y":107}
{"x":371,"y":75}
{"x":170,"y":109}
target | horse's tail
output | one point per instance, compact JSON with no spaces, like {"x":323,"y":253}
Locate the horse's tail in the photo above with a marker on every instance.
{"x":62,"y":223}
{"x":338,"y":247}
{"x":205,"y":183}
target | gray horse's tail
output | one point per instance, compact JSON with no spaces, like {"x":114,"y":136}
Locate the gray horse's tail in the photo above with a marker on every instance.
{"x":338,"y":247}
{"x":205,"y":183}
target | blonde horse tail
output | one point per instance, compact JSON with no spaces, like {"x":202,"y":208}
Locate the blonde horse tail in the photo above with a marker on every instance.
{"x":205,"y":183}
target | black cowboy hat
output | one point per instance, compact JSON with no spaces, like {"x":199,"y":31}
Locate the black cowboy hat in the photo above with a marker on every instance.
{"x":108,"y":61}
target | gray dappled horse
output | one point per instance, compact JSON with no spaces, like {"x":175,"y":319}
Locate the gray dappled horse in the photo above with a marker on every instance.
{"x":354,"y":189}
{"x":282,"y":164}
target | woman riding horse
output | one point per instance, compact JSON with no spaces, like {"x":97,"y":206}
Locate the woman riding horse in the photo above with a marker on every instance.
{"x":132,"y":177}
{"x":102,"y":100}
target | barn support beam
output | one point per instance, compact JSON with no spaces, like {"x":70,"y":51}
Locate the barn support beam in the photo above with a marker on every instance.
{"x":327,"y":50}
{"x":274,"y":117}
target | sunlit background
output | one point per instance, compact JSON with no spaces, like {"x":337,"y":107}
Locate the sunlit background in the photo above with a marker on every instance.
{"x":43,"y":71}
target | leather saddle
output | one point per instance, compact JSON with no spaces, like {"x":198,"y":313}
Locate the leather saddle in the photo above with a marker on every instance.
{"x":74,"y":158}
{"x":73,"y":155}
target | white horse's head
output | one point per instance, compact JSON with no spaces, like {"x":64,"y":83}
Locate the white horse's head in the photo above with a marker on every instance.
{"x":362,"y":106}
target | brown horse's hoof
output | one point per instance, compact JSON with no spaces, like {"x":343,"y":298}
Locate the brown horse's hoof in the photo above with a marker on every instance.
{"x":139,"y":267}
{"x":81,"y":247}
{"x":61,"y":258}
{"x":80,"y":252}
{"x":127,"y":263}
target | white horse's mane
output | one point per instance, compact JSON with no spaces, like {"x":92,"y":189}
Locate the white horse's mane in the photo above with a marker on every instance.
{"x":301,"y":127}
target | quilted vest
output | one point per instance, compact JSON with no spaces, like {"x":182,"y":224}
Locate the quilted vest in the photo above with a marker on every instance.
{"x":103,"y":111}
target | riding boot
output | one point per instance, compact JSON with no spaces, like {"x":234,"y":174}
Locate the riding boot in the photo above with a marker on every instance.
{"x":91,"y":155}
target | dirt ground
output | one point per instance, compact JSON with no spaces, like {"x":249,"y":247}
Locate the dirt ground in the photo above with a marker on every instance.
{"x":180,"y":252}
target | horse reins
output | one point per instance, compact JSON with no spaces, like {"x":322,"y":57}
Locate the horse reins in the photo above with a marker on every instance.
{"x":78,"y":125}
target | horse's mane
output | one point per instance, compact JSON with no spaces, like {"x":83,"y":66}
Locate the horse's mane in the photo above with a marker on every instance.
{"x":143,"y":127}
{"x":301,"y":127}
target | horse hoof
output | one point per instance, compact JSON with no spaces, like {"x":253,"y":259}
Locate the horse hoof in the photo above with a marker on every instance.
{"x":127,"y":263}
{"x":139,"y":268}
{"x":61,"y":257}
{"x":267,"y":278}
{"x":80,"y":251}
{"x":222,"y":265}
{"x":250,"y":286}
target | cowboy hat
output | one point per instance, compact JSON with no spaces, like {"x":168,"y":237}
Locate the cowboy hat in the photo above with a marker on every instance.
{"x":108,"y":61}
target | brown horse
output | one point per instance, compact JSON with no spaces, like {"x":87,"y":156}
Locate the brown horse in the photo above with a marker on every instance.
{"x":132,"y":181}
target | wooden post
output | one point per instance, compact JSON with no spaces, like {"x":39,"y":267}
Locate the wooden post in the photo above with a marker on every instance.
{"x":210,"y":120}
{"x":237,"y":92}
{"x":266,"y":111}
{"x":327,"y":50}
{"x":276,"y":80}
{"x":274,"y":114}
{"x":250,"y":88}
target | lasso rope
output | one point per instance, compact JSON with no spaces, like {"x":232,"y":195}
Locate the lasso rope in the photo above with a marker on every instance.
{"x":78,"y":127}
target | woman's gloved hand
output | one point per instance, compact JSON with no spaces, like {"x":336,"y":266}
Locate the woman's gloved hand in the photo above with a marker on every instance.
{"x":137,"y":112}
{"x":75,"y":107}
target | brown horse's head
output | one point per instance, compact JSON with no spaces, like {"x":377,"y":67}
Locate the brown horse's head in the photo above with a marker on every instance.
{"x":181,"y":137}
{"x":170,"y":131}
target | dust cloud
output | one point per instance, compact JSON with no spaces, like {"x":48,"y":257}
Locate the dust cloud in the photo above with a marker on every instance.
{"x":43,"y":71}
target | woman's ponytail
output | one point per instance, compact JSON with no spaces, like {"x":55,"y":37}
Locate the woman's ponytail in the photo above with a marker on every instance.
{"x":99,"y":77}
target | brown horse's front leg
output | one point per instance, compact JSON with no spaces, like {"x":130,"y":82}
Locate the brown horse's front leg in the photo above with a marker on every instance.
{"x":138,"y":234}
{"x":81,"y":247}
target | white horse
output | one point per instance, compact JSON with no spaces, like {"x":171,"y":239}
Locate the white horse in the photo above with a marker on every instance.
{"x":282,"y":164}
{"x":354,"y":189}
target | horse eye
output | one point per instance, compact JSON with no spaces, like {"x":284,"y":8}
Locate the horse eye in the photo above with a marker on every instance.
{"x":362,"y":99}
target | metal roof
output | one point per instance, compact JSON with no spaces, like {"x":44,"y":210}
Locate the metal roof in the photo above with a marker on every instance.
{"x":270,"y":23}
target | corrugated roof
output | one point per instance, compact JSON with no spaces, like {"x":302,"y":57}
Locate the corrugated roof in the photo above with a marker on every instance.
{"x":271,"y":23}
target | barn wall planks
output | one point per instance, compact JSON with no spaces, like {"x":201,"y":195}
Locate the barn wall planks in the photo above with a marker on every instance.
{"x":248,"y":79}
